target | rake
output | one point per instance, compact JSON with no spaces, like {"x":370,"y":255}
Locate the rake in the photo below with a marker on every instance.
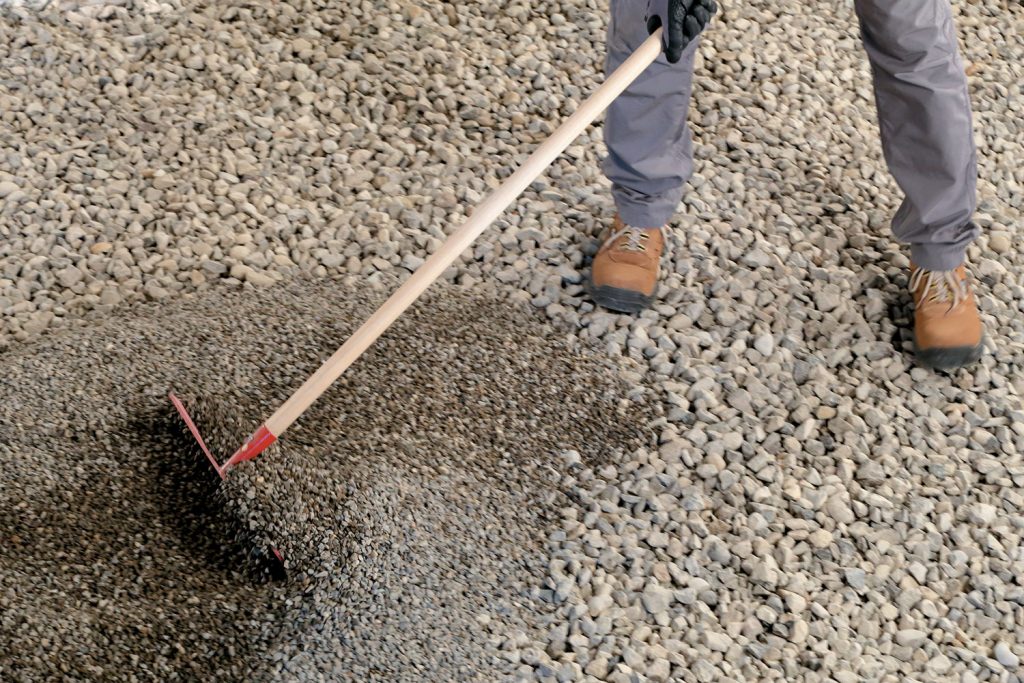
{"x":482,"y":217}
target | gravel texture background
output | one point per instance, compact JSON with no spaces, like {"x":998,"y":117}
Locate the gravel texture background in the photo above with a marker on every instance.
{"x":816,"y":508}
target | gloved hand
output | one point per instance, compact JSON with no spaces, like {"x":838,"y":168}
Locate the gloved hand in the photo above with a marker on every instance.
{"x":683,"y":21}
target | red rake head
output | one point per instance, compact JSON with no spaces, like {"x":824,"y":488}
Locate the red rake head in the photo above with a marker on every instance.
{"x":253,"y":446}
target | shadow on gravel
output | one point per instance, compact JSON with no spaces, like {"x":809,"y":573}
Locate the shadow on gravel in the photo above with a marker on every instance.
{"x":193,"y":503}
{"x":125,"y":544}
{"x":900,"y":310}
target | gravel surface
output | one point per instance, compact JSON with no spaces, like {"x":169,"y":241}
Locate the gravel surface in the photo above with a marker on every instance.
{"x":410,"y":504}
{"x":817,"y":508}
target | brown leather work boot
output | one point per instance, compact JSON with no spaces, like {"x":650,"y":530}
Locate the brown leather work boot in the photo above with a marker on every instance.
{"x":624,"y":275}
{"x":947,"y":327}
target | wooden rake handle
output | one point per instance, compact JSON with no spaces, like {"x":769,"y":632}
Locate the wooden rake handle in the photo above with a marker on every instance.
{"x":482,"y":217}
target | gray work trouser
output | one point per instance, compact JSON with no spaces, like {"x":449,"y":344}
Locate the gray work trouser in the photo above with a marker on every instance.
{"x":923,"y":110}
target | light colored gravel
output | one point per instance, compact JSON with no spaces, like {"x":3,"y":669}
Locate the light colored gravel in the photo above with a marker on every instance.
{"x":817,"y":508}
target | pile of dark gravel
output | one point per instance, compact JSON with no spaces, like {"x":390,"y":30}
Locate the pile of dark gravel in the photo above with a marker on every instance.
{"x":411,"y":502}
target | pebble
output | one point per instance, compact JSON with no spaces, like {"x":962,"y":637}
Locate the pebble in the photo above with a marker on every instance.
{"x":911,"y":637}
{"x":856,"y":578}
{"x":656,"y":599}
{"x":599,"y":604}
{"x":820,"y":538}
{"x":765,"y":345}
{"x":799,"y":631}
{"x":999,"y":242}
{"x":718,"y":642}
{"x":982,"y":513}
{"x":1005,"y":656}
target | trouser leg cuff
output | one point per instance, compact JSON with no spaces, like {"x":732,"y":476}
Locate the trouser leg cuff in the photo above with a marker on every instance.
{"x":642,"y":211}
{"x":937,"y":256}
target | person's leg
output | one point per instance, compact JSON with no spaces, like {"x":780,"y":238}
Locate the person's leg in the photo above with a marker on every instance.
{"x":924,"y":114}
{"x":650,"y":156}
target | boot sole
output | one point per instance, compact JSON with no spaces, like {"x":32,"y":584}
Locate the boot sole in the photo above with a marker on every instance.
{"x":949,"y":359}
{"x":620,"y":300}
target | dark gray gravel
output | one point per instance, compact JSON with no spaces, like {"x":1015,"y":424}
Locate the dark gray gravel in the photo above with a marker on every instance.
{"x":411,"y":502}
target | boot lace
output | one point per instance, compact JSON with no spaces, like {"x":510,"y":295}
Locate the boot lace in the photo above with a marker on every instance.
{"x":940,"y":286}
{"x":636,"y":238}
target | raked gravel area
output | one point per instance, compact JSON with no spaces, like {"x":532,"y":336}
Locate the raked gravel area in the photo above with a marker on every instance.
{"x":817,"y":508}
{"x":410,"y":504}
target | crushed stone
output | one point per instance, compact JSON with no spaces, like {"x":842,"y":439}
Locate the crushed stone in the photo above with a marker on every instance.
{"x":411,"y":503}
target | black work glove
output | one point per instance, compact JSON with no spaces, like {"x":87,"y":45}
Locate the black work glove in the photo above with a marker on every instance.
{"x":683,"y":21}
